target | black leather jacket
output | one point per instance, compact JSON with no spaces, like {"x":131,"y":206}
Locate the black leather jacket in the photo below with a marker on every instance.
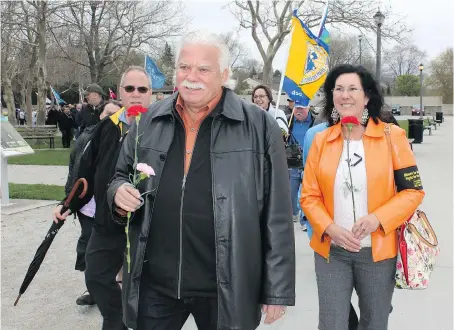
{"x":254,"y":233}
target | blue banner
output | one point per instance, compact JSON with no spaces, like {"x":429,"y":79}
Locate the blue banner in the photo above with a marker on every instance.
{"x":158,"y":79}
{"x":58,"y":99}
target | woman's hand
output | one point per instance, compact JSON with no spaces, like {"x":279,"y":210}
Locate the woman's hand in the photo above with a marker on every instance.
{"x":365,"y":226}
{"x":343,"y":238}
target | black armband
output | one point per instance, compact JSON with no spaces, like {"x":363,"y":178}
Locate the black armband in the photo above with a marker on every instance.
{"x":408,"y":178}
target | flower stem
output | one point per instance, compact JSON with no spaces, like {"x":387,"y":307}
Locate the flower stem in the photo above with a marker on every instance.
{"x":135,"y":182}
{"x":350,"y":172}
{"x":128,"y":244}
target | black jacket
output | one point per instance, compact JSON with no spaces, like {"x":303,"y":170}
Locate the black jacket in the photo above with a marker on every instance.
{"x":65,"y":121}
{"x":97,"y":166}
{"x":88,"y":116}
{"x":74,"y":158}
{"x":254,"y":235}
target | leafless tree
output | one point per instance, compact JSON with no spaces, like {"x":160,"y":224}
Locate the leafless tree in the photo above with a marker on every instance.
{"x":270,"y":23}
{"x":238,"y":52}
{"x":27,"y":22}
{"x":344,"y":49}
{"x":108,"y":31}
{"x":403,"y":59}
{"x":440,"y":78}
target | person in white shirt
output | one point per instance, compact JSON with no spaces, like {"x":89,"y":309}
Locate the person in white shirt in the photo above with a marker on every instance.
{"x":261,"y":95}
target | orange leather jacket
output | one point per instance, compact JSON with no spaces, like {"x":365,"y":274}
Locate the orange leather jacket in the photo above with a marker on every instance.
{"x":391,"y":209}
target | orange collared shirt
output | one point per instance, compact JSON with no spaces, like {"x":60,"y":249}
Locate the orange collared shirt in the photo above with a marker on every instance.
{"x":192,"y":127}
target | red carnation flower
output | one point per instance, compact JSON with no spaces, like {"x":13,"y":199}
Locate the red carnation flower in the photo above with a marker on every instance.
{"x":136,"y":110}
{"x":350,"y":120}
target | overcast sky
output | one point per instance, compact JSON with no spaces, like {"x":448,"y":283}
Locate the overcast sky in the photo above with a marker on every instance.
{"x":431,"y":21}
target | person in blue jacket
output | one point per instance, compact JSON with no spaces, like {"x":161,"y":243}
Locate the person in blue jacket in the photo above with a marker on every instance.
{"x":310,"y":135}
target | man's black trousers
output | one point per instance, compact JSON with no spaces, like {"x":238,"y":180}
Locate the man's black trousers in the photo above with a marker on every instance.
{"x":160,"y":312}
{"x":104,"y":258}
{"x":66,"y":137}
{"x":86,"y":225}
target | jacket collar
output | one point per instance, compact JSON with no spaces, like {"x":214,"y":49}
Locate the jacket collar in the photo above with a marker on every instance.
{"x":232,"y":107}
{"x":372,"y":130}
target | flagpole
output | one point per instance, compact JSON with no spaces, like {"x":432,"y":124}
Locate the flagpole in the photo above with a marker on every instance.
{"x":286,"y":62}
{"x":323,"y":20}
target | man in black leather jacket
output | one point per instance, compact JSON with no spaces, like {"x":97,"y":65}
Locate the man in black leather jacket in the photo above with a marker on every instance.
{"x":215,"y":236}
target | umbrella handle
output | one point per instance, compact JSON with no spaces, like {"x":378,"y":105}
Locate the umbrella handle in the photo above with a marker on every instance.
{"x":17,"y":299}
{"x":74,"y":190}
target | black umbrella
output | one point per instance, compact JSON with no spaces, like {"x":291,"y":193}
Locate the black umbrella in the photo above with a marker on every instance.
{"x":44,"y":247}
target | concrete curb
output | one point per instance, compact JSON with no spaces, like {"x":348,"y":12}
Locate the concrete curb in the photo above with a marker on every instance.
{"x":22,"y":205}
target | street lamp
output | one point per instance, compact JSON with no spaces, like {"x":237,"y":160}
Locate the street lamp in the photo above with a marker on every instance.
{"x":420,"y":67}
{"x":378,"y":18}
{"x":360,"y":38}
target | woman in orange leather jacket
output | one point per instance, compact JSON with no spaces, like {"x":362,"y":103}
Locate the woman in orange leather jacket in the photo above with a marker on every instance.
{"x":349,"y":197}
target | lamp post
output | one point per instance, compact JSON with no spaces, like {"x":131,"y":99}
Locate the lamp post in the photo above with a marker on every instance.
{"x":378,"y":18}
{"x":420,"y":67}
{"x":360,"y":38}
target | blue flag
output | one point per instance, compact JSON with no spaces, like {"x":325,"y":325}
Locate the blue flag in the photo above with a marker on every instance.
{"x":158,"y":79}
{"x":57,"y":96}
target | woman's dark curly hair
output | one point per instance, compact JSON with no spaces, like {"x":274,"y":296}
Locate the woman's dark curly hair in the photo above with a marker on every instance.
{"x":368,"y":83}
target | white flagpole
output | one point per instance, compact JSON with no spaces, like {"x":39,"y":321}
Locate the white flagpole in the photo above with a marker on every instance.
{"x":285,"y":65}
{"x":323,"y":20}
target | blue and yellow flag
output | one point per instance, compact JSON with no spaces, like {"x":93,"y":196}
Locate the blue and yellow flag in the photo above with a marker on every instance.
{"x":307,"y":64}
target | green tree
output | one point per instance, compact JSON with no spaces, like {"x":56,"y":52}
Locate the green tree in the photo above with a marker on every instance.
{"x":441,"y":76}
{"x":407,"y":85}
{"x":167,"y":64}
{"x":253,"y":72}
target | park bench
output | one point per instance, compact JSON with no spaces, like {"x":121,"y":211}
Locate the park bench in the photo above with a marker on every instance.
{"x":42,"y":132}
{"x":428,"y":123}
{"x":436,"y":121}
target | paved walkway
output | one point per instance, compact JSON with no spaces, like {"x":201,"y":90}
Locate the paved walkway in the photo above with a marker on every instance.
{"x":33,"y":174}
{"x":49,"y":303}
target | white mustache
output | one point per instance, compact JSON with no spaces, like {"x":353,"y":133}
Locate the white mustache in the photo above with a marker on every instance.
{"x":192,"y":85}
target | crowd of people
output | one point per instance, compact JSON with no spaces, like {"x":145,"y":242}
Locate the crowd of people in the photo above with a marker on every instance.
{"x":212,"y":231}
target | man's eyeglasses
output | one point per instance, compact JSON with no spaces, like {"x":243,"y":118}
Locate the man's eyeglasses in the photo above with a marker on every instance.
{"x":350,"y":90}
{"x":140,"y":89}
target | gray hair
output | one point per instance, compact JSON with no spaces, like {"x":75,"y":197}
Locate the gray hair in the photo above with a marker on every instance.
{"x":211,"y":39}
{"x":135,"y":68}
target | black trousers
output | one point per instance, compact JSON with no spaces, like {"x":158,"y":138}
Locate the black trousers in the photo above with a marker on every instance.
{"x":104,"y":258}
{"x":86,"y":225}
{"x":159,"y":312}
{"x":66,"y":137}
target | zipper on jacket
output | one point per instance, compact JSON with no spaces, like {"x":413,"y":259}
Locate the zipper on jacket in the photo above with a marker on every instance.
{"x":180,"y":259}
{"x":183,"y":186}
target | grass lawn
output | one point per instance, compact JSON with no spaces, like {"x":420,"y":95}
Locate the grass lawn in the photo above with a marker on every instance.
{"x":43,"y":157}
{"x":36,"y":191}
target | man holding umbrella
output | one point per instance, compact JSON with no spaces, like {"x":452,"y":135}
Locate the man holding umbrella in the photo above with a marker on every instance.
{"x":106,"y":247}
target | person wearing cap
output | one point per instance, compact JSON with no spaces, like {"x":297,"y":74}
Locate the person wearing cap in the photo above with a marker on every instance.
{"x":300,"y":122}
{"x":289,"y":107}
{"x":89,"y":114}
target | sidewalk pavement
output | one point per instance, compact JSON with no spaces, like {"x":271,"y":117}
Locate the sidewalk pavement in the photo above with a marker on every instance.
{"x":34,"y":174}
{"x":49,"y":303}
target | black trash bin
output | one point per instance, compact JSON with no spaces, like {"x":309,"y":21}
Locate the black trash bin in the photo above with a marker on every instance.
{"x":439,"y":116}
{"x":416,"y":130}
